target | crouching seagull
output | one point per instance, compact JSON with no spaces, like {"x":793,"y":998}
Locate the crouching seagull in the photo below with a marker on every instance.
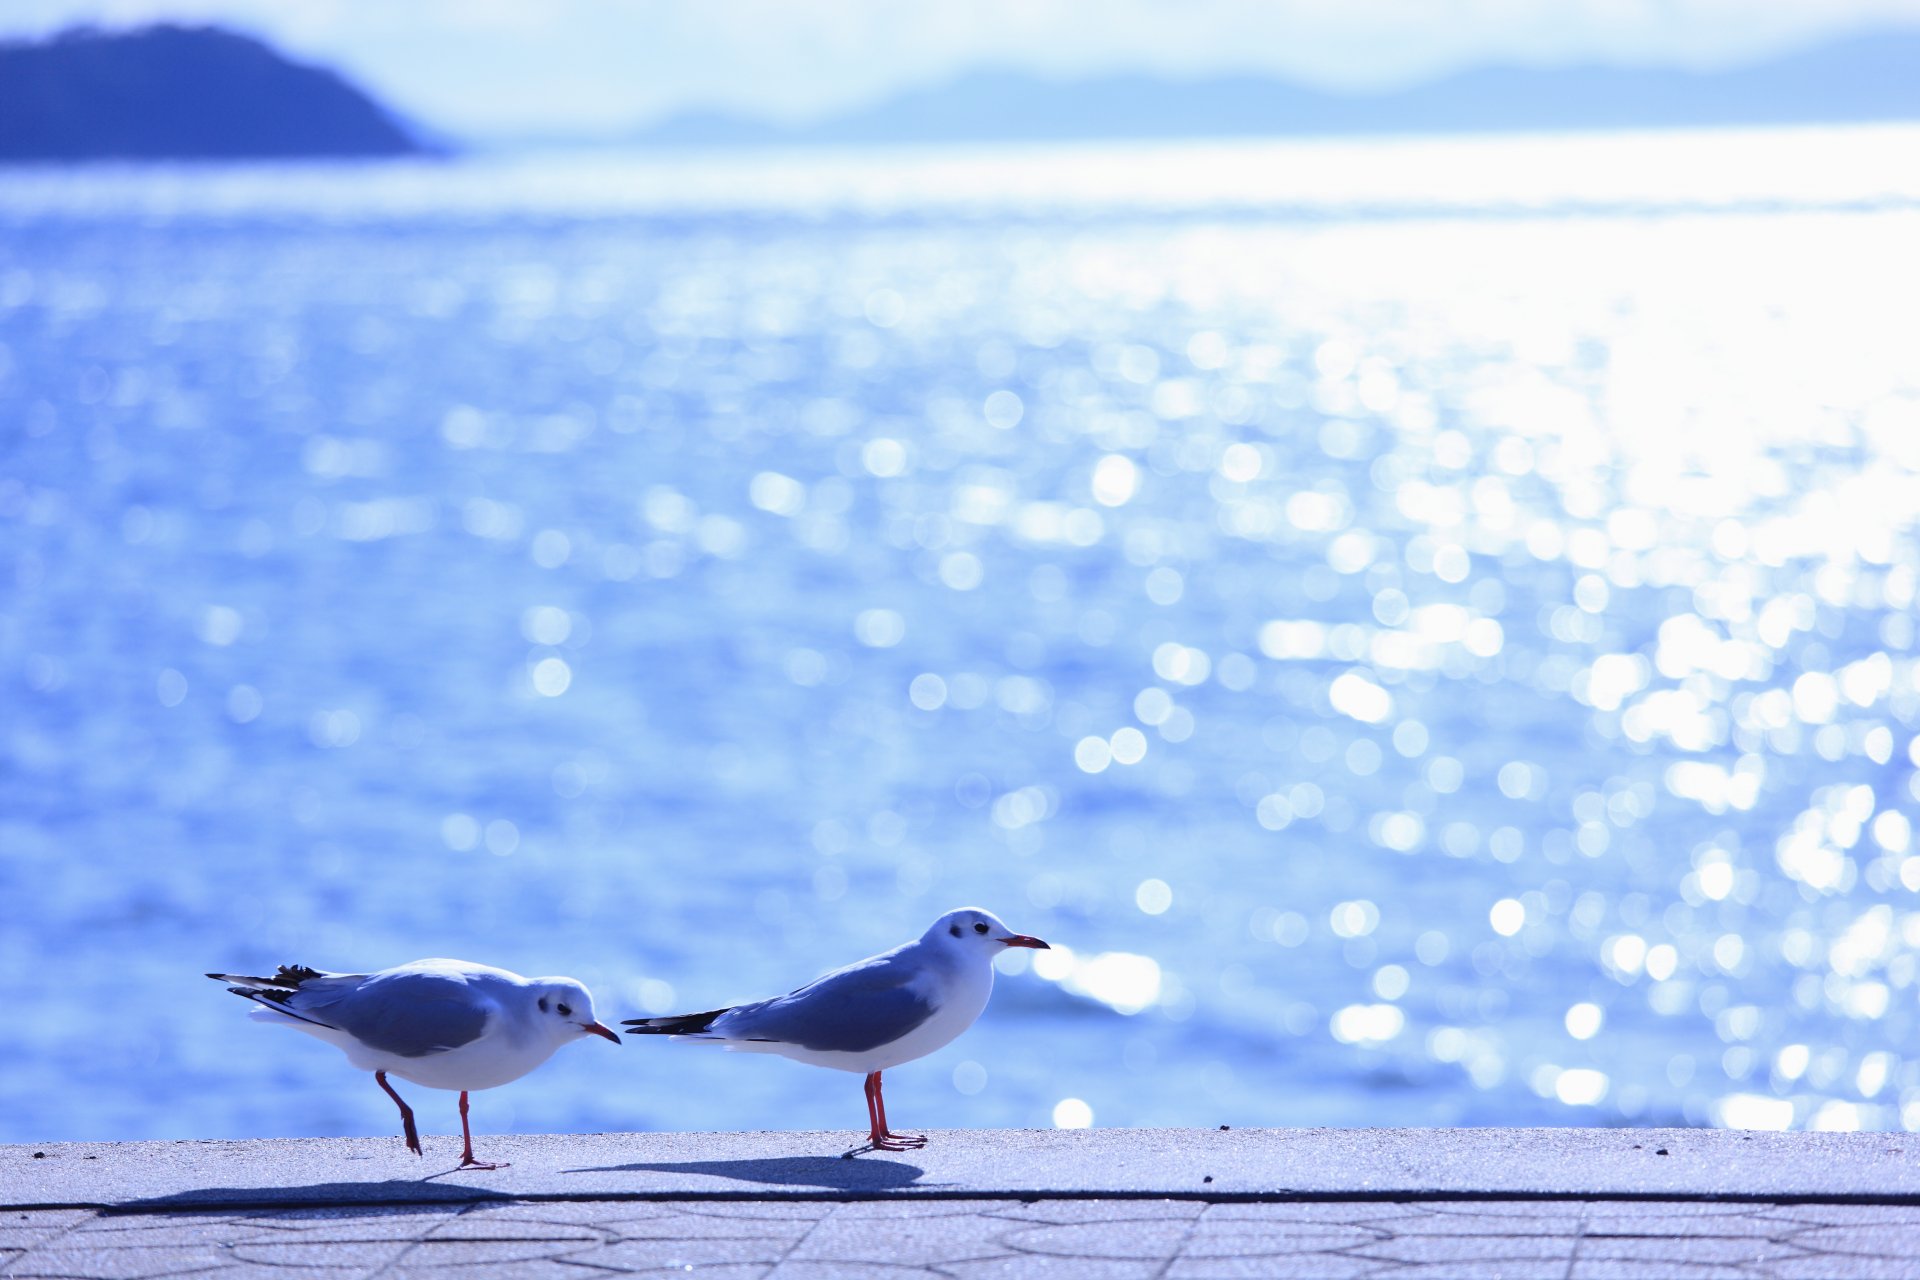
{"x":446,"y":1024}
{"x":875,"y":1014}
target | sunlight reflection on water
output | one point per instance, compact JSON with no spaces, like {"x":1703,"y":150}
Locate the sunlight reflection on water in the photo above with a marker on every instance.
{"x":1421,"y":669}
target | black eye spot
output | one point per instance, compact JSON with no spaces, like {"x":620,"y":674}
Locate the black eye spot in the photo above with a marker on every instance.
{"x":954,"y":930}
{"x":565,"y":1012}
{"x":543,"y":1004}
{"x":979,"y":928}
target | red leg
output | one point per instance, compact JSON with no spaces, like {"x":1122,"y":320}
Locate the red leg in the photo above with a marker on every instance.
{"x":466,"y":1152}
{"x":406,"y":1114}
{"x":885,"y":1139}
{"x":874,"y":1131}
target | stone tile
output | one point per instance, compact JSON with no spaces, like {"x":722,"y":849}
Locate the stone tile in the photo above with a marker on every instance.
{"x":850,"y":1271}
{"x":1728,"y":1225}
{"x":24,"y":1228}
{"x":1598,"y":1209}
{"x":391,"y":1224}
{"x":1846,"y":1215}
{"x":1554,"y":1219}
{"x":928,"y":1243}
{"x":1382,"y":1213}
{"x":1636,"y":1269}
{"x":639,"y":1255}
{"x":151,"y":1232}
{"x":534,"y":1269}
{"x":1425,"y":1250}
{"x":751,"y":1210}
{"x":1072,"y":1211}
{"x":118,"y":1232}
{"x":709,"y":1226}
{"x":364,"y":1254}
{"x":1306,"y":1266}
{"x":27,"y":1237}
{"x":575,"y":1212}
{"x":1828,"y":1267}
{"x":893,"y":1210}
{"x":119,"y":1264}
{"x":611,"y":1219}
{"x":1112,"y":1239}
{"x":1730,"y":1251}
{"x":1502,"y":1208}
{"x":1878,"y":1240}
{"x":458,"y":1252}
{"x":24,"y":1240}
{"x":1211,"y":1239}
{"x":472,"y":1227}
{"x":303,"y":1219}
{"x":1026,"y":1266}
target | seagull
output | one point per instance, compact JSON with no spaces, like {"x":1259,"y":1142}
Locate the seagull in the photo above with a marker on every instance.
{"x":875,"y":1014}
{"x":446,"y":1024}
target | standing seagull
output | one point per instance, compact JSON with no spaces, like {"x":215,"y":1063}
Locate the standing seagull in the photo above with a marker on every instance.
{"x":446,"y":1024}
{"x":888,"y":1009}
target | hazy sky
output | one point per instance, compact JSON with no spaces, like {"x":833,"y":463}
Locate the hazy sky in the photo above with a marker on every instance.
{"x":489,"y":67}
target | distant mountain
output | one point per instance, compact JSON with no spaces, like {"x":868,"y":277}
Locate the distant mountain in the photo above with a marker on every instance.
{"x":168,"y":92}
{"x":1873,"y":77}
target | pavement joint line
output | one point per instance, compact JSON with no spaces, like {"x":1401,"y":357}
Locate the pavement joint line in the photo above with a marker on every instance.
{"x":1579,"y":1238}
{"x":804,"y":1236}
{"x":187,"y":1208}
{"x":1186,"y":1239}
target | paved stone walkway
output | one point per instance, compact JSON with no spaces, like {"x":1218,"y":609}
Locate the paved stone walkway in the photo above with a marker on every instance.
{"x":1106,"y":1205}
{"x":968,"y":1239}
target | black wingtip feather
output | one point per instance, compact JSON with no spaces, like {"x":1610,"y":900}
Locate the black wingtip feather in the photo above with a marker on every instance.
{"x":677,"y":1025}
{"x":286,"y":978}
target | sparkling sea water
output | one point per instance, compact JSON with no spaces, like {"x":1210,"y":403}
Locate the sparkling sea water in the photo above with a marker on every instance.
{"x":1427,"y":629}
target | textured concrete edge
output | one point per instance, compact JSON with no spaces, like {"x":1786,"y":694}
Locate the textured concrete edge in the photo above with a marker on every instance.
{"x":207,"y":1207}
{"x":1203,"y":1165}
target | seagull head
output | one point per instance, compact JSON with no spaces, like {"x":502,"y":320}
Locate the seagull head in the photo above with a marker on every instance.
{"x":565,"y":1009}
{"x":971,"y":929}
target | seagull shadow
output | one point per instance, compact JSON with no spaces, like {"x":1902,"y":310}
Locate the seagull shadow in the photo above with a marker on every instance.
{"x":345,"y":1197}
{"x":838,"y":1173}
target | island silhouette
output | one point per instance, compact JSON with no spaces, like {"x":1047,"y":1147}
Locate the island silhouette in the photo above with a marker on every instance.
{"x":171,"y":92}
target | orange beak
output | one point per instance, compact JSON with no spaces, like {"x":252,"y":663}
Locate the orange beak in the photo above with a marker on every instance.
{"x":1022,"y":940}
{"x":599,"y":1030}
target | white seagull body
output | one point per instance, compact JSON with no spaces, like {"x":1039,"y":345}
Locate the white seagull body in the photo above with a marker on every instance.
{"x":446,"y":1024}
{"x":872,"y":1015}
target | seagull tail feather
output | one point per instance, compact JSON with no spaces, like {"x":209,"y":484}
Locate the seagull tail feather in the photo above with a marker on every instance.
{"x":682,"y":1024}
{"x":242,"y":980}
{"x":275,"y":993}
{"x":287,"y":977}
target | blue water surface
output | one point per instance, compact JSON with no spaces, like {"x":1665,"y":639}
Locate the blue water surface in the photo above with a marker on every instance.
{"x":1427,"y":649}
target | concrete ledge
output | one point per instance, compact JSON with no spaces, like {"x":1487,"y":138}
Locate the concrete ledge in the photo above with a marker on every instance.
{"x":1144,"y":1204}
{"x":1189,"y":1164}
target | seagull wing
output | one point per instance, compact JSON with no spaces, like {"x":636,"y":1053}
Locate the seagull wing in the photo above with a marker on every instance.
{"x":410,"y":1015}
{"x":850,"y":1010}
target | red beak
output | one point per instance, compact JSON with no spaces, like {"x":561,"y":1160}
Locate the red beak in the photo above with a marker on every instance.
{"x":1022,"y":940}
{"x":599,"y":1030}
